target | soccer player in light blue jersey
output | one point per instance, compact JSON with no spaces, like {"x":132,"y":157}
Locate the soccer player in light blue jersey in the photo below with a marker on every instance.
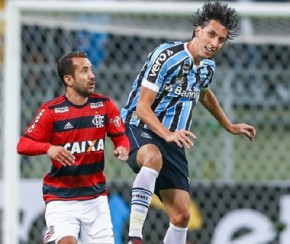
{"x":158,"y":113}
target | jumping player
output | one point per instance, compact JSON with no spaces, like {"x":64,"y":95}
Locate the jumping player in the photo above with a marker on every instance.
{"x":158,"y":114}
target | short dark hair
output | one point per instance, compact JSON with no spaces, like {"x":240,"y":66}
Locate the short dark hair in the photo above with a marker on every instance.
{"x":65,"y":64}
{"x":220,"y":12}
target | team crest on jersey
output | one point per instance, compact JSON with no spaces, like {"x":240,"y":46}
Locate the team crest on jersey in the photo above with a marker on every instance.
{"x":116,"y":121}
{"x":97,"y":105}
{"x":99,"y":121}
{"x":61,"y":109}
{"x":185,"y":69}
{"x":134,"y":117}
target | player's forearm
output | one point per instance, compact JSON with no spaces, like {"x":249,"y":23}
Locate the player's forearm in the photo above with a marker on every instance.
{"x":26,"y":146}
{"x":149,"y":118}
{"x":210,"y":102}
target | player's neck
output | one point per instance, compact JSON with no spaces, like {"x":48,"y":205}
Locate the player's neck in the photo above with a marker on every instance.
{"x":192,"y":49}
{"x":75,"y":98}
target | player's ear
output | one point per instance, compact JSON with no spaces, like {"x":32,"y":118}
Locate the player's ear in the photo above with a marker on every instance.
{"x":197,"y":30}
{"x":68,"y":79}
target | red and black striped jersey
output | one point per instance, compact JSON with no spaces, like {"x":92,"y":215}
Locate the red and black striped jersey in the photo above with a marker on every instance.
{"x":81,"y":130}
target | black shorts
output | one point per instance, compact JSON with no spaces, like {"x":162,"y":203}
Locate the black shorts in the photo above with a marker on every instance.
{"x":174,"y":173}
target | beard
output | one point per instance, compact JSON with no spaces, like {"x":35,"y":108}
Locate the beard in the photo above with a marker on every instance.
{"x":84,"y":91}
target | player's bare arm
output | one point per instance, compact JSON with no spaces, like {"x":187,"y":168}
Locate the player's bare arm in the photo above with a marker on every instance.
{"x":60,"y":154}
{"x":210,"y":102}
{"x":145,"y":113}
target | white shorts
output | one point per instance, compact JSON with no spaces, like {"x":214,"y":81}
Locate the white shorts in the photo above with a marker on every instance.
{"x":88,"y":221}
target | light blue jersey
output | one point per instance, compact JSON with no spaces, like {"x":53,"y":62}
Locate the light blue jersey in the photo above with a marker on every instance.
{"x":170,"y":72}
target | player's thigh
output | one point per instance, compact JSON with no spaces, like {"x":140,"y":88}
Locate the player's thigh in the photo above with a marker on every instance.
{"x":61,"y":222}
{"x":96,"y":222}
{"x":176,"y":202}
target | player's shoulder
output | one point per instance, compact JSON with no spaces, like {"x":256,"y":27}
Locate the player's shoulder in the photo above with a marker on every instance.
{"x":98,"y":97}
{"x":54,"y":102}
{"x":167,"y":50}
{"x":209,"y":62}
{"x":173,"y":45}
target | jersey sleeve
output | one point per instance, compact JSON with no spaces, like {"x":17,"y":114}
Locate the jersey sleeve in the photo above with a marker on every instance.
{"x":116,"y":127}
{"x":37,"y":136}
{"x":210,"y":68}
{"x":157,"y":68}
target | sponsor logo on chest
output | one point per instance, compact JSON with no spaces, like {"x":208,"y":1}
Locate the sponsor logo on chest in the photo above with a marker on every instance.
{"x":61,"y":110}
{"x":181,"y":92}
{"x":85,"y":146}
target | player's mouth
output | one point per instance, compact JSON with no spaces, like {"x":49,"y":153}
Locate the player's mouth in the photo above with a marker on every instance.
{"x":92,"y":85}
{"x":209,"y":50}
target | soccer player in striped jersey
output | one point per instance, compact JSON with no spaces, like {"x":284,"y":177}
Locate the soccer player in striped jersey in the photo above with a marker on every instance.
{"x":71,"y":130}
{"x":158,"y":113}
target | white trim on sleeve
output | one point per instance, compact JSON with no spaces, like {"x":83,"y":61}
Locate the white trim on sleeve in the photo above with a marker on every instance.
{"x":150,"y":85}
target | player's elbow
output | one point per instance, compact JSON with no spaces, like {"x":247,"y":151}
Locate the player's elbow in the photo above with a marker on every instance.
{"x":140,"y":111}
{"x":20,"y":148}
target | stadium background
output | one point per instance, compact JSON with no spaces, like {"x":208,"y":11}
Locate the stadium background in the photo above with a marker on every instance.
{"x":229,"y":174}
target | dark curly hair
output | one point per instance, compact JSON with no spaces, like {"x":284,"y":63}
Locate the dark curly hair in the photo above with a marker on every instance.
{"x":220,"y":12}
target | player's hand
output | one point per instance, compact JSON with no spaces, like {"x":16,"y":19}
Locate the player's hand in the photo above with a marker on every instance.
{"x":61,"y":155}
{"x":181,"y":138}
{"x":121,"y":153}
{"x":245,"y":129}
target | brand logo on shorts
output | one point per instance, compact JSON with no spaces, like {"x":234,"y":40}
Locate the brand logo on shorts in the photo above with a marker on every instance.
{"x":146,"y":135}
{"x":49,"y":233}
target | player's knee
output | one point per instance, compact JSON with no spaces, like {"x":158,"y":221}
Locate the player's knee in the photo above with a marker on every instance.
{"x":150,"y":157}
{"x":67,"y":240}
{"x":180,"y":219}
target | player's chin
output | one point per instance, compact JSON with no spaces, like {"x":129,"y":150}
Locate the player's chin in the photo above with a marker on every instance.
{"x":90,"y":91}
{"x":208,"y":54}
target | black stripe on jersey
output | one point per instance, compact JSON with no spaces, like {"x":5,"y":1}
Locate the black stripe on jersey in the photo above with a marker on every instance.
{"x":190,"y":115}
{"x":197,"y":78}
{"x":176,"y":116}
{"x":116,"y":135}
{"x":86,"y":169}
{"x":74,"y":192}
{"x":76,"y":123}
{"x":171,"y":103}
{"x":210,"y":73}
